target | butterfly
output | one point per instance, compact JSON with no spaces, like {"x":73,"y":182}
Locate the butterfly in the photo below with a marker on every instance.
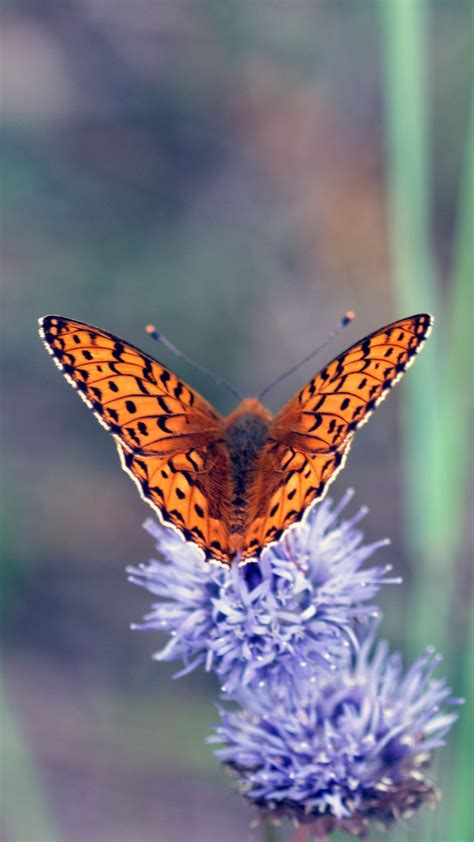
{"x":234,"y":485}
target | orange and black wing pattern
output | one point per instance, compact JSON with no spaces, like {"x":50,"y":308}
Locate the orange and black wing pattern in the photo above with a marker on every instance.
{"x":168,"y":437}
{"x":310,"y":438}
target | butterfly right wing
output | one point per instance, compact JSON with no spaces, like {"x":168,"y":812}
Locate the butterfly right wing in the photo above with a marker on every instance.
{"x":344,"y":394}
{"x":286,"y":484}
{"x":168,"y":437}
{"x":311,"y":436}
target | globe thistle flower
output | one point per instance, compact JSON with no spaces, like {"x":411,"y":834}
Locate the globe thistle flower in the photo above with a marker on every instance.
{"x":352,"y":749}
{"x":291,"y":616}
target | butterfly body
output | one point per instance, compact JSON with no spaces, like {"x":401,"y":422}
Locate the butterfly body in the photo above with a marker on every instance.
{"x":245,"y":434}
{"x":232,"y":486}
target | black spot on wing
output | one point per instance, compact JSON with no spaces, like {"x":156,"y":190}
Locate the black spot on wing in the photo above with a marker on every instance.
{"x":133,"y":435}
{"x":161,"y":424}
{"x":118,"y":350}
{"x":141,"y":385}
{"x":192,"y":462}
{"x":318,"y":420}
{"x":197,"y":532}
{"x":148,"y":372}
{"x":163,"y":405}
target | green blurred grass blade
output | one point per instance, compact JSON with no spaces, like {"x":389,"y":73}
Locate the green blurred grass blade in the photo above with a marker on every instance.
{"x":26,"y":814}
{"x":438,"y":393}
{"x":404,"y":28}
{"x":457,"y":406}
{"x":459,"y":821}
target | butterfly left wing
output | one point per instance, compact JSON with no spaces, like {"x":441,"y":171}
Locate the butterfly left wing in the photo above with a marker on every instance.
{"x":188,"y":491}
{"x":133,"y":396}
{"x":311,"y":436}
{"x":168,"y":437}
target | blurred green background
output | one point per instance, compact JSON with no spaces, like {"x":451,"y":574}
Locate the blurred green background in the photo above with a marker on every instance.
{"x":240,"y":173}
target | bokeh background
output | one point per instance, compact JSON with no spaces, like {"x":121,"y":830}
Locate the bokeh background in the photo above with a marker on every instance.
{"x":240,"y":173}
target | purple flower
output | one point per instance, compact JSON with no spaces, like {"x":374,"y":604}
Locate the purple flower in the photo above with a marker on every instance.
{"x":291,"y":616}
{"x":351,"y":748}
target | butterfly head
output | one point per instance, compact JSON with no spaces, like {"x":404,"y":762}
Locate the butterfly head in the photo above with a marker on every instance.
{"x":249,"y":407}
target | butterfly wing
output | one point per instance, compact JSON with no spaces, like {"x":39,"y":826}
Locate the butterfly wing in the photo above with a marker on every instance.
{"x":188,"y":492}
{"x":310,"y":438}
{"x":168,"y":437}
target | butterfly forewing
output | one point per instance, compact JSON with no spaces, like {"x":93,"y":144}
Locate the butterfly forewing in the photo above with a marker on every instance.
{"x":135,"y":397}
{"x":342,"y":396}
{"x":167,"y":434}
{"x":310,"y":437}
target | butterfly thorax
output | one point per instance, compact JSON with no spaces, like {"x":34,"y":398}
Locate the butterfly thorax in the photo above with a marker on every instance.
{"x":245,"y":433}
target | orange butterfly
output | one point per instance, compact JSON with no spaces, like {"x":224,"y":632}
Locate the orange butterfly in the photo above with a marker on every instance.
{"x":232,"y":485}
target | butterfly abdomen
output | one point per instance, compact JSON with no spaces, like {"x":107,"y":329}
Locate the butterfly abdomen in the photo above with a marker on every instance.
{"x":245,"y":433}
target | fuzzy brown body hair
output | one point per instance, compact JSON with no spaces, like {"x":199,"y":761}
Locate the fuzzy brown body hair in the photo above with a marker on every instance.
{"x":245,"y":433}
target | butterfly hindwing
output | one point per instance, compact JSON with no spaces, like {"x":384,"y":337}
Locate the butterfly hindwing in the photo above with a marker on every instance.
{"x":310,"y":437}
{"x":190,"y":492}
{"x":167,"y":435}
{"x":287,"y":484}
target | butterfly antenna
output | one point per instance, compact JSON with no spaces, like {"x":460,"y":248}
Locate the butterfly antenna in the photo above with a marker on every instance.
{"x":155,"y":334}
{"x":346,"y":319}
